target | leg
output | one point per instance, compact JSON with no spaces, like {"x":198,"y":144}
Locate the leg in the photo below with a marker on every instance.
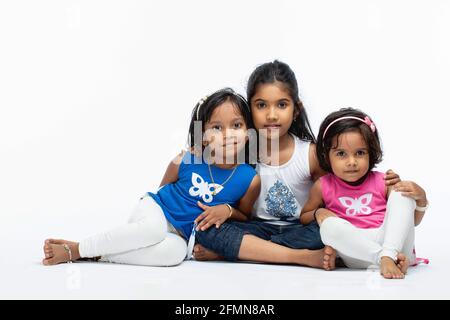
{"x":299,"y":236}
{"x":255,"y":249}
{"x":258,"y":228}
{"x":357,"y":247}
{"x":169,"y":252}
{"x":233,"y":243}
{"x":349,"y":240}
{"x":397,"y":232}
{"x":147,"y":226}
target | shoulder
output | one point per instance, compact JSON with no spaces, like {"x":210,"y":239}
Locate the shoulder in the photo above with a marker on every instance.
{"x":186,"y":157}
{"x":317,"y":186}
{"x":256,"y":183}
{"x":314,"y":167}
{"x":180,"y":157}
{"x":326,"y":181}
{"x":247,"y":169}
{"x":380,"y":183}
{"x":377,"y":176}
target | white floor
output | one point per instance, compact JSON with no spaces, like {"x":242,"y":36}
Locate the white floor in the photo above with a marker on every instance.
{"x":23,"y":277}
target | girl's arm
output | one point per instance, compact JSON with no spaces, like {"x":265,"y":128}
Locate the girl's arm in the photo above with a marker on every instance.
{"x":314,"y":167}
{"x":248,"y":200}
{"x":414,"y":191}
{"x":315,"y":201}
{"x":171,"y":174}
{"x":219,"y":214}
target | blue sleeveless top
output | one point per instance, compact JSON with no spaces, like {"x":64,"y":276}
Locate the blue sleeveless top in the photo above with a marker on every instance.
{"x":178,"y":200}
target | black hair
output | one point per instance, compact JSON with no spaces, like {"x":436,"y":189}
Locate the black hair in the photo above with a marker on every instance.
{"x":204,"y":109}
{"x":324,"y":144}
{"x":278,"y":71}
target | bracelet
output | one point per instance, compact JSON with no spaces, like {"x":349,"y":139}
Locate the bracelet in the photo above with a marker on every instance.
{"x":422,"y":209}
{"x":314,"y":214}
{"x":231,"y":209}
{"x":67,"y":248}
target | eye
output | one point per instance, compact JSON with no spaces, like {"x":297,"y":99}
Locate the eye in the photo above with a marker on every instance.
{"x":217,"y":127}
{"x":260,"y":105}
{"x":282,"y":104}
{"x":340,"y":154}
{"x":361,"y":153}
{"x":238,"y":125}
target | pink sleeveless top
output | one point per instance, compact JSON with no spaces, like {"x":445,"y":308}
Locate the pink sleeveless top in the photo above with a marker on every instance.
{"x":364,"y":206}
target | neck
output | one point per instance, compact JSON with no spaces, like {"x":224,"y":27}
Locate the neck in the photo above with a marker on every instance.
{"x":357,"y":182}
{"x":274,"y":153}
{"x":224,"y":166}
{"x":223,"y":163}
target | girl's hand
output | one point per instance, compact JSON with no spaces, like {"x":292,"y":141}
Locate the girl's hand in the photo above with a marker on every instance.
{"x":211,"y":216}
{"x":412,"y":190}
{"x":322,"y":214}
{"x":391,"y":178}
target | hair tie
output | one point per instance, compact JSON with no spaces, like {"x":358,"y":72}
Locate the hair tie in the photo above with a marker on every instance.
{"x":366,"y":120}
{"x":202,"y":100}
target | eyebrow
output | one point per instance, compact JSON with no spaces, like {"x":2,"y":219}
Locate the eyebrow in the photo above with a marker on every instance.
{"x":340,"y":149}
{"x":220,"y":122}
{"x":282,"y":99}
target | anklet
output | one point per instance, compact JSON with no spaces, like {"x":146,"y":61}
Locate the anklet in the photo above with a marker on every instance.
{"x":69,"y":251}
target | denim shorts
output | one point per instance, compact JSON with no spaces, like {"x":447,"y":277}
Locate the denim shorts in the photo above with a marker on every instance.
{"x":226,"y":240}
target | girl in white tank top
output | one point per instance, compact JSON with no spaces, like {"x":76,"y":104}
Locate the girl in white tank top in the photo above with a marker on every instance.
{"x":284,"y":188}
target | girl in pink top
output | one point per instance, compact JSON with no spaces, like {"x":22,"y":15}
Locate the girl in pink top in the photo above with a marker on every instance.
{"x":365,"y":221}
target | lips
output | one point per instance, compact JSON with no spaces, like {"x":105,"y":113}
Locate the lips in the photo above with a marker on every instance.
{"x":272,"y":126}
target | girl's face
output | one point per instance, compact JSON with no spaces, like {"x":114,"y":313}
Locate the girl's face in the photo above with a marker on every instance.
{"x":350,"y":158}
{"x":226,"y":132}
{"x":273,"y":110}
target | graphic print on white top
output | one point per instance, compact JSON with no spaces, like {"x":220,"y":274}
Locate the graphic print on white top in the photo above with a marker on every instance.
{"x":280,"y":201}
{"x":201,"y":188}
{"x":357,"y":205}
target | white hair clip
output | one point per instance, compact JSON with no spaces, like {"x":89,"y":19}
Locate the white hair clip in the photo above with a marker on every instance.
{"x":202,"y":101}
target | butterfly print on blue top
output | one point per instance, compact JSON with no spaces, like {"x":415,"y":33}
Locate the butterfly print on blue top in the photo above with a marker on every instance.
{"x":203,"y":189}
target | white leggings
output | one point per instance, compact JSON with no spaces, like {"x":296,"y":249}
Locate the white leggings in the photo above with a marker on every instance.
{"x":361,"y":248}
{"x":147,"y":239}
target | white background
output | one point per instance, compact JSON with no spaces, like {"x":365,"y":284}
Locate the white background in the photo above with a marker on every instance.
{"x":96,"y":96}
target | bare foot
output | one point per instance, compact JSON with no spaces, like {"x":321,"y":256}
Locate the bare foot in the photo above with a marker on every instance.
{"x":389,"y":269}
{"x":402,"y":263}
{"x":55,"y":253}
{"x":311,"y":258}
{"x":329,"y":258}
{"x":203,"y":254}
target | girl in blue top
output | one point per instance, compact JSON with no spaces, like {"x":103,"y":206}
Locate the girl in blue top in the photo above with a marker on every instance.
{"x":204,"y":184}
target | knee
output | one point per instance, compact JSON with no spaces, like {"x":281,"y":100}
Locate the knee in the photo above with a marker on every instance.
{"x":329,"y":230}
{"x":397,"y":198}
{"x":150,"y":234}
{"x":176,"y":248}
{"x":209,"y":236}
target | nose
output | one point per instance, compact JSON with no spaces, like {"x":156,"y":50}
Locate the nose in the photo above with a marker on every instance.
{"x":352,"y":162}
{"x":229,"y":135}
{"x":272,"y":114}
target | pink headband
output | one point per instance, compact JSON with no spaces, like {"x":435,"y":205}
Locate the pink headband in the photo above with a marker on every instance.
{"x":366,"y":120}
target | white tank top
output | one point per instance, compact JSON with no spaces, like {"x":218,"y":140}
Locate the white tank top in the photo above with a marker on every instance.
{"x":285,"y":188}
